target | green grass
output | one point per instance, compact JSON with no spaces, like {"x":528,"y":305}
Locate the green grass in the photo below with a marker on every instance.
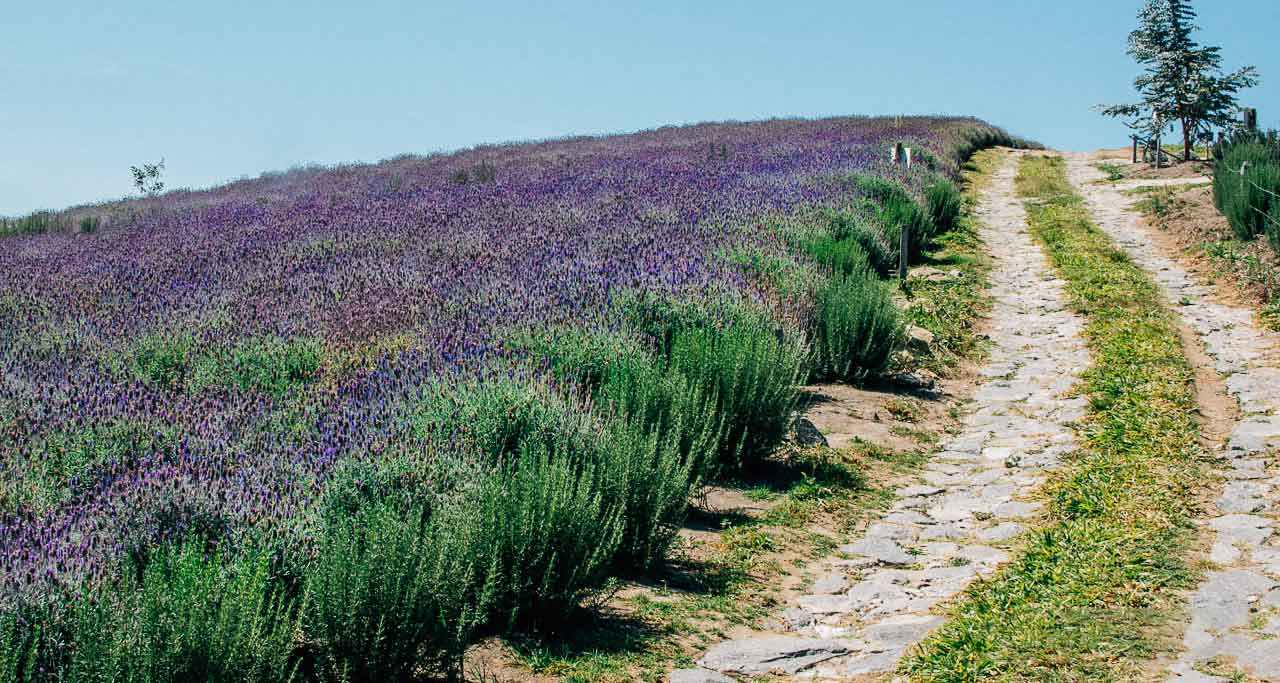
{"x":1086,"y":599}
{"x":1114,"y":172}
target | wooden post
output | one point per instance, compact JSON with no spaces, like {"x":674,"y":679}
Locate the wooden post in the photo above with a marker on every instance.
{"x":895,"y":153}
{"x":908,"y":157}
{"x":1135,"y":148}
{"x":1250,"y":119}
{"x":904,"y":251}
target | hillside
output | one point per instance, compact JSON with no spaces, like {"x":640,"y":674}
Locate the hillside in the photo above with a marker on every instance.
{"x":571,"y":333}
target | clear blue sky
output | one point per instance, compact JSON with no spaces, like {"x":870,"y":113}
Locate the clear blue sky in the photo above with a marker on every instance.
{"x":231,"y":88}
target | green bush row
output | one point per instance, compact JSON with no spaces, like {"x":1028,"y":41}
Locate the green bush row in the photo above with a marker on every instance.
{"x":1250,"y":199}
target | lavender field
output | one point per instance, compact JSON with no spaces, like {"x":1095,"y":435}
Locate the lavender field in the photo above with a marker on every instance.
{"x":359,"y":414}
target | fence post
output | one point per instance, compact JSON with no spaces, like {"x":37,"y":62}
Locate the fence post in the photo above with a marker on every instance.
{"x":1250,"y":119}
{"x":894,"y":152}
{"x":904,"y":250}
{"x":1135,"y":147}
{"x":908,"y":157}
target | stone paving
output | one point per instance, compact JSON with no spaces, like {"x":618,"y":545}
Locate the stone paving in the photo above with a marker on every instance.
{"x":1235,"y":613}
{"x":973,"y":500}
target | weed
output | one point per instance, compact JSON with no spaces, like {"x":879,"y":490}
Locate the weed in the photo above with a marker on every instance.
{"x":1114,"y":172}
{"x":904,"y":409}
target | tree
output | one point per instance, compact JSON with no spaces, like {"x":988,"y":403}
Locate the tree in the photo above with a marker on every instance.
{"x":1182,"y":81}
{"x":147,"y":178}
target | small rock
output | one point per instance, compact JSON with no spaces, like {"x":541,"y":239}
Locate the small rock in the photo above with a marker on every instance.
{"x":918,"y":490}
{"x":805,"y":433}
{"x":770,"y":654}
{"x":794,"y":619}
{"x":982,"y":554}
{"x":908,"y":517}
{"x":831,"y":584}
{"x":1001,"y":532}
{"x":901,"y":631}
{"x":918,"y":381}
{"x":919,"y":338}
{"x":875,"y":662}
{"x":824,"y":604}
{"x":1017,"y":510}
{"x":885,"y":550}
{"x":940,"y":532}
{"x":888,"y":530}
{"x":931,"y":274}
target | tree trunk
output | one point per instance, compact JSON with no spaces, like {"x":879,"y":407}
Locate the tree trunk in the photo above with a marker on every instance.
{"x":1186,"y":139}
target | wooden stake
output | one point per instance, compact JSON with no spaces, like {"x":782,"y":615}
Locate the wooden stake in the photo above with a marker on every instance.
{"x":904,"y":249}
{"x":908,"y":157}
{"x":1135,"y":148}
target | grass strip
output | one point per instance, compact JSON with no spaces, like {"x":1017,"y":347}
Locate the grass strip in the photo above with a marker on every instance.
{"x":1086,"y":599}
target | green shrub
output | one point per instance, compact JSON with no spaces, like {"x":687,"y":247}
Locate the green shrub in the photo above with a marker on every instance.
{"x":500,"y":416}
{"x":547,"y":529}
{"x":858,"y":328}
{"x":18,"y":650}
{"x":273,"y":366}
{"x":190,"y":616}
{"x":393,"y":590}
{"x":1245,"y":199}
{"x":944,"y":204}
{"x":877,"y":189}
{"x":164,"y":359}
{"x":737,"y":353}
{"x":789,"y":278}
{"x":665,"y":426}
{"x":753,"y":368}
{"x":899,"y":212}
{"x":645,"y":448}
{"x":841,"y":256}
{"x":896,"y":210}
{"x":850,"y":225}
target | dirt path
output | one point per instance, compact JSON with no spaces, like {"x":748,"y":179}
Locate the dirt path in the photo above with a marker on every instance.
{"x":1235,"y":613}
{"x":972,"y":502}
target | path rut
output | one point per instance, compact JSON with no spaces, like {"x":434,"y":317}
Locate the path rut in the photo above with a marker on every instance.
{"x":1235,"y":612}
{"x":972,"y":501}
